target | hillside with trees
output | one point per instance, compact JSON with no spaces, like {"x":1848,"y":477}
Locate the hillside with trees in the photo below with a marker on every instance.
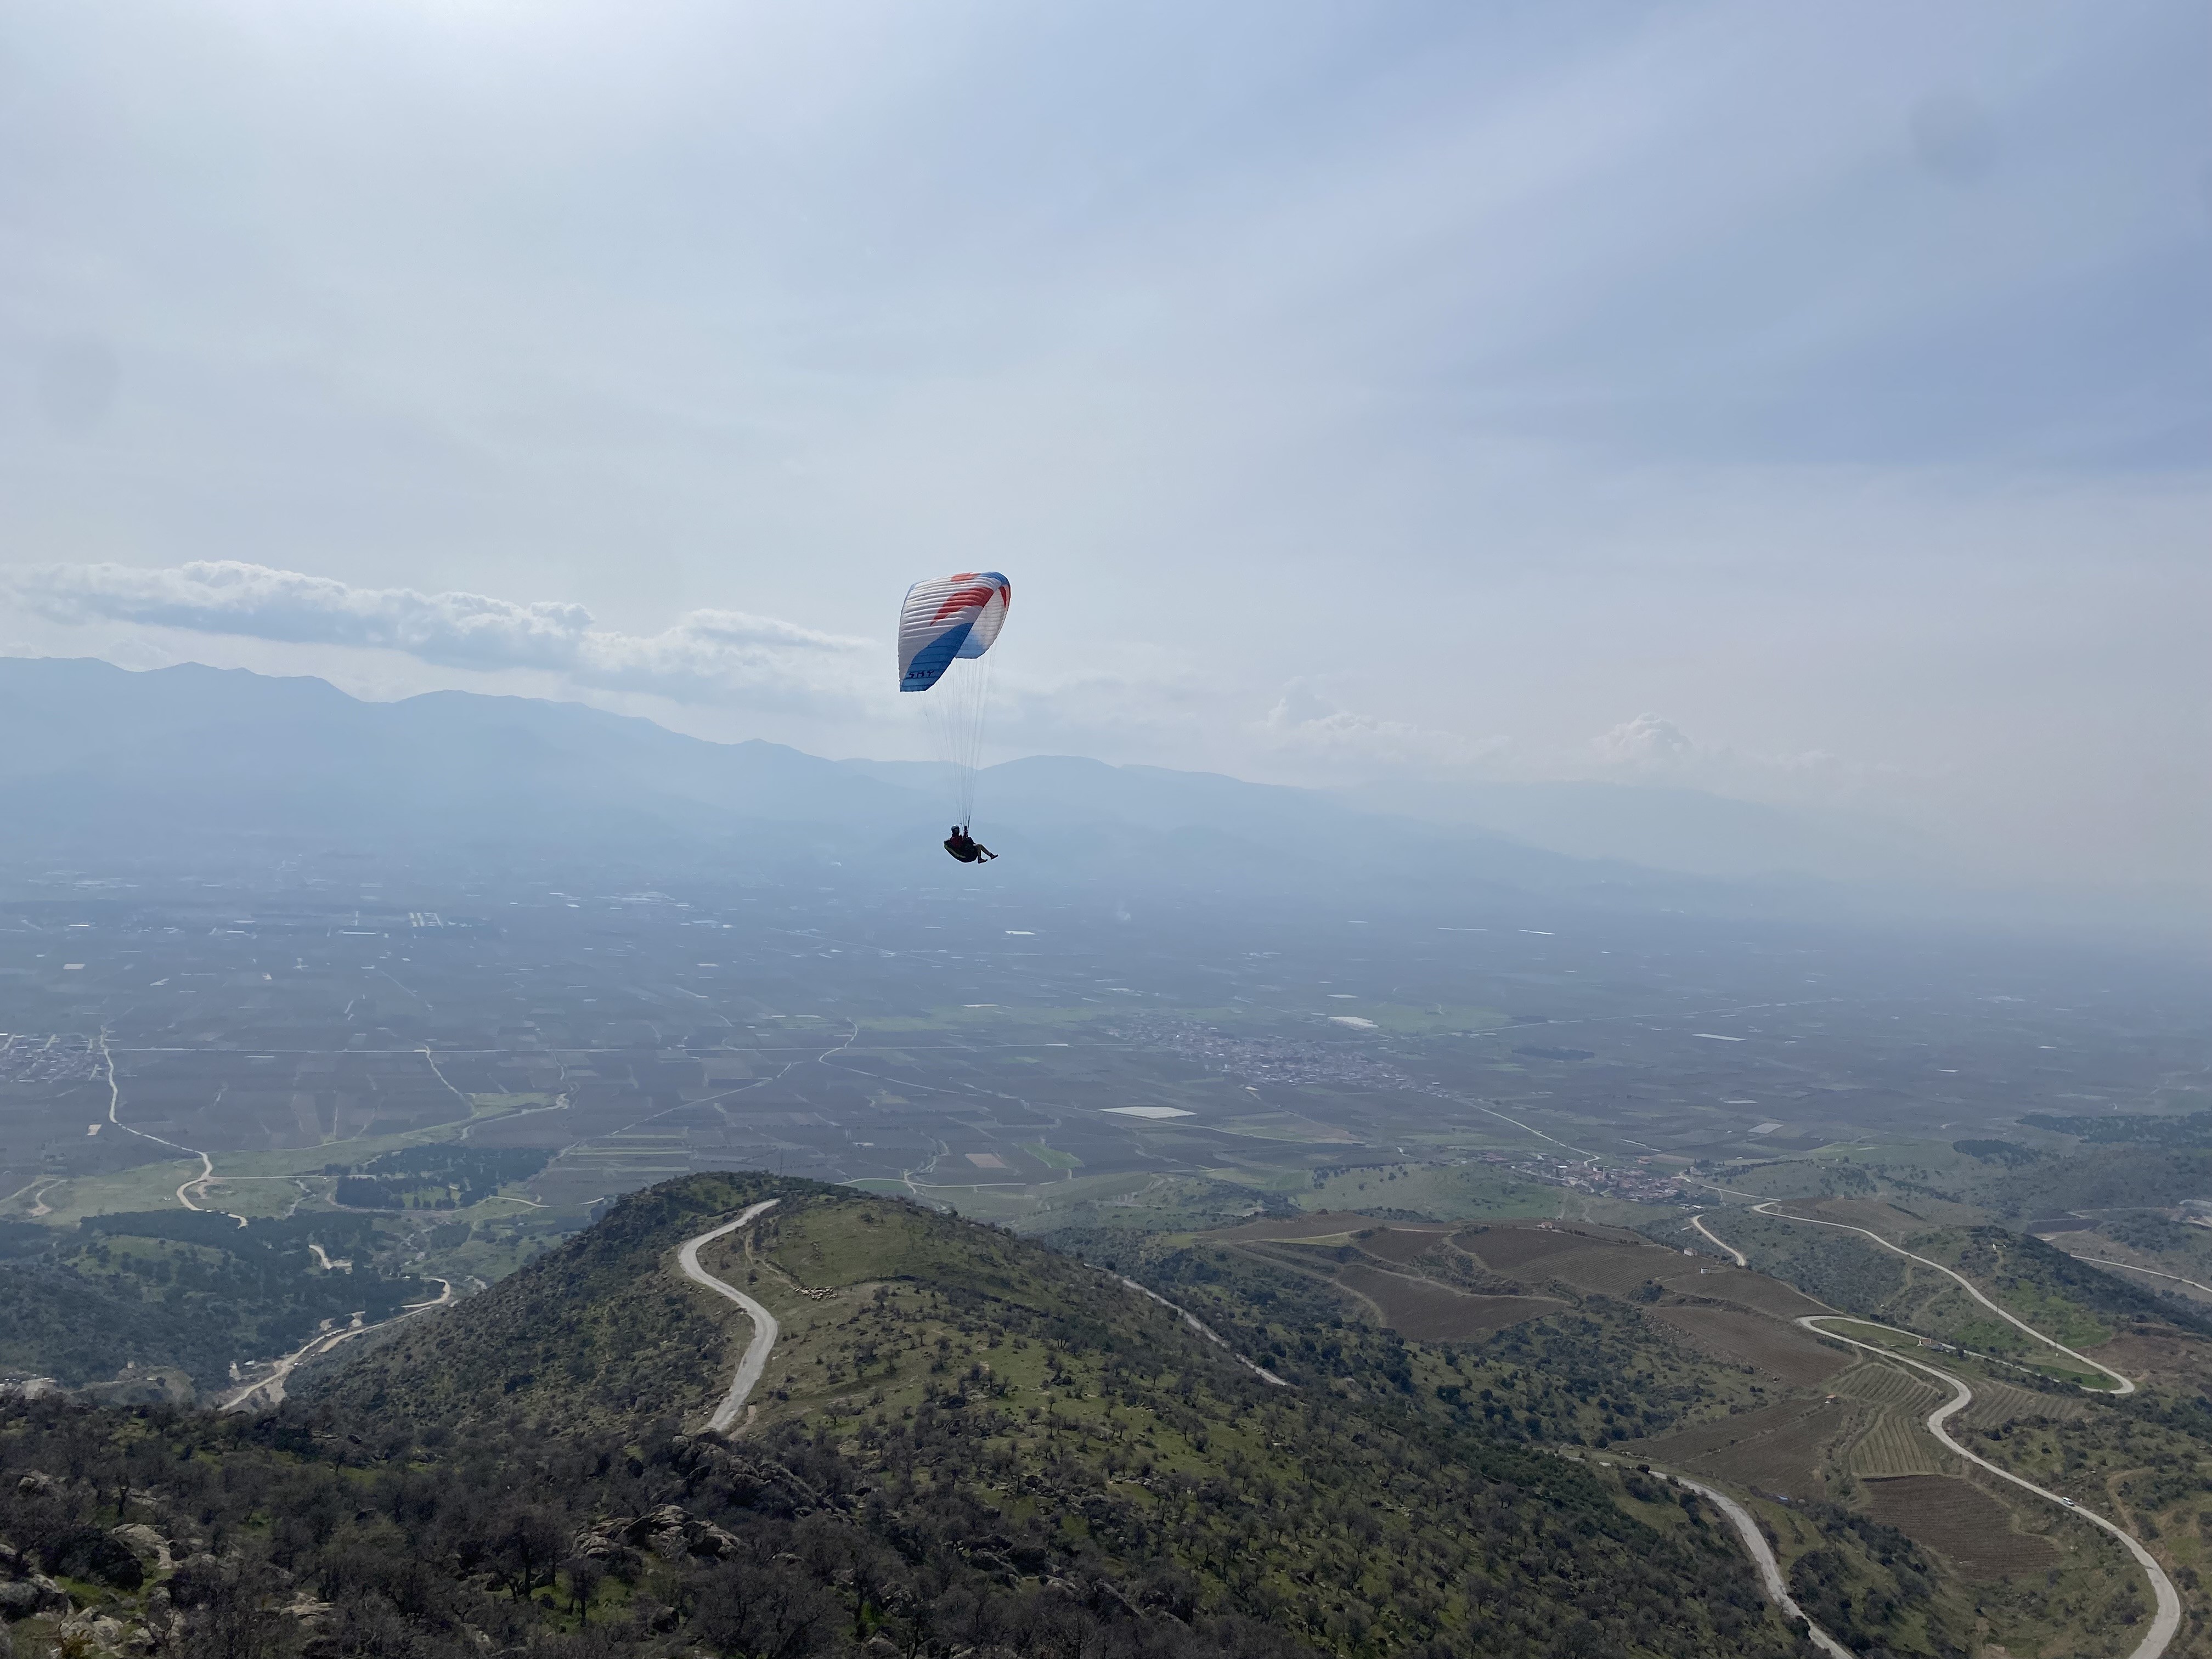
{"x":968,"y":1443}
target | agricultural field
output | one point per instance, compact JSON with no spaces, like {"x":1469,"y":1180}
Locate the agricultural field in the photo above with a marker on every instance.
{"x":1875,"y":1383}
{"x":1768,"y":1345}
{"x":1895,"y":1444}
{"x":1998,"y":1403}
{"x":979,"y":1049}
{"x":2072,"y":1302}
{"x":1422,"y":1311}
{"x":1402,"y":1246}
{"x":1961,"y":1522}
{"x":1775,"y":1449}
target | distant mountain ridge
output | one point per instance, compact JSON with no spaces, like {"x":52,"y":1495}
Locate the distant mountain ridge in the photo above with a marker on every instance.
{"x":110,"y":762}
{"x":179,"y":766}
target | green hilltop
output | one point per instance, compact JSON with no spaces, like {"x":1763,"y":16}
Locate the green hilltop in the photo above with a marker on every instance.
{"x":1032,"y":1420}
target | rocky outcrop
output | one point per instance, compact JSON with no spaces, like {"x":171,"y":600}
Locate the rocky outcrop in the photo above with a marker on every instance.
{"x":758,"y":1481}
{"x":151,"y":1549}
{"x":33,"y":1593}
{"x":88,"y":1631}
{"x":671,"y":1532}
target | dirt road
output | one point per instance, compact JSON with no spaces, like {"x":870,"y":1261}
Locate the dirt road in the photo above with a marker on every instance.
{"x":267,"y":1393}
{"x":1698,"y":1222}
{"x":754,"y":1360}
{"x":1769,"y":1570}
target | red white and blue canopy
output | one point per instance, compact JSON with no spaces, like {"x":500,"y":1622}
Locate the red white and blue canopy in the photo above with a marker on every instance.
{"x":951,"y":618}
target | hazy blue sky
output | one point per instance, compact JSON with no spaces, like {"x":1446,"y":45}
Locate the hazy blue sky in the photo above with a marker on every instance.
{"x":1813,"y":403}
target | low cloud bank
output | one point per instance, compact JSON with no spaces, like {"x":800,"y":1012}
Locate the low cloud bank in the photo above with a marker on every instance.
{"x":1306,"y":721}
{"x":1650,"y":748}
{"x":706,"y":656}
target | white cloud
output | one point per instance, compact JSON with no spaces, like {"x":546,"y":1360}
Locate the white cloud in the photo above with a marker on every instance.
{"x":1649,"y":743}
{"x":1307,"y":724}
{"x":1651,"y":748}
{"x":706,"y":656}
{"x":1306,"y":721}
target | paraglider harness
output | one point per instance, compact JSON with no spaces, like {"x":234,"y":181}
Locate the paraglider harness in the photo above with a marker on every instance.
{"x":965,"y":848}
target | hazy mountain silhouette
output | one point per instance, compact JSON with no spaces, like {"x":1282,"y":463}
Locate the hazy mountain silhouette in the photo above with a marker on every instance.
{"x":176,"y":763}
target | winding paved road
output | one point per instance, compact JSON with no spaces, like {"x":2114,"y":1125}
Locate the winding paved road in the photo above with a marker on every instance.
{"x":267,"y":1392}
{"x":114,"y":1108}
{"x":754,"y":1360}
{"x":2155,"y":1273}
{"x":1755,"y":1544}
{"x":2167,"y":1618}
{"x":1697,"y":1221}
{"x":1769,"y":1570}
{"x":2121,"y":1384}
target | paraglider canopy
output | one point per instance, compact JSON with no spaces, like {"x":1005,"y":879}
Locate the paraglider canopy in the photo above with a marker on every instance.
{"x":945,"y":620}
{"x":944,"y":627}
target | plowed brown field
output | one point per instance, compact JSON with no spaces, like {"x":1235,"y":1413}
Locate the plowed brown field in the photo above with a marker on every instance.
{"x":1619,"y":1268}
{"x":1787,"y":1461}
{"x":1399,"y":1244}
{"x":1780,"y":1351}
{"x":1774,"y":1448}
{"x":1757,"y":1291}
{"x":1960,"y":1522}
{"x":1509,"y":1249}
{"x":1610,"y":1270}
{"x":1426,"y":1311}
{"x":1726,"y":1430}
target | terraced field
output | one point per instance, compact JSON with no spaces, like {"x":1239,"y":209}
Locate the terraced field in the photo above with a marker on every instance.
{"x":1875,"y":1384}
{"x":1998,"y":1403}
{"x":1839,"y":1414}
{"x":1894,"y":1444}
